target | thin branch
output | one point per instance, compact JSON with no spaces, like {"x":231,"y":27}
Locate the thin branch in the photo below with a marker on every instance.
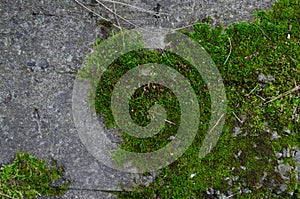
{"x":135,"y":7}
{"x":90,"y":10}
{"x":263,"y":32}
{"x":230,"y":49}
{"x":252,"y":90}
{"x":7,"y":196}
{"x":110,"y":10}
{"x":216,"y":123}
{"x":284,"y":94}
{"x":170,"y":122}
{"x":99,"y":3}
{"x":117,"y":19}
{"x":261,"y":97}
{"x":237,"y":118}
{"x":295,"y":61}
{"x":183,"y":27}
{"x":126,"y":20}
{"x":85,"y":189}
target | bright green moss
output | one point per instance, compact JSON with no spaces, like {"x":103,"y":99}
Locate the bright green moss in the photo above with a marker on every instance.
{"x":268,"y":46}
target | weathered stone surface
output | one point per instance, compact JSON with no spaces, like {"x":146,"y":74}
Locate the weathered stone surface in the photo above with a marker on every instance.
{"x":42,"y":44}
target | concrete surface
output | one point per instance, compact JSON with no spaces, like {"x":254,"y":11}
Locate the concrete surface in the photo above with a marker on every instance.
{"x":42,"y":45}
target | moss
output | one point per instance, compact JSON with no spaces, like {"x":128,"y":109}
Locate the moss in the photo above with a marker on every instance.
{"x":29,"y":177}
{"x":268,"y":48}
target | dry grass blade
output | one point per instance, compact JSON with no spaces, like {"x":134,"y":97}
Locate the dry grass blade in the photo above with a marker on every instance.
{"x":216,"y":123}
{"x":126,"y":20}
{"x":284,"y":94}
{"x":90,"y":10}
{"x":7,"y":196}
{"x":100,"y":3}
{"x":135,"y":7}
{"x":230,"y":49}
{"x":110,"y":10}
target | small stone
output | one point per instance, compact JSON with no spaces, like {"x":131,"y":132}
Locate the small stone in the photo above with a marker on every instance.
{"x":280,"y":161}
{"x":270,"y":79}
{"x":287,"y":131}
{"x":42,"y":63}
{"x":210,"y":191}
{"x":247,"y":190}
{"x":274,"y":136}
{"x":69,"y":58}
{"x":278,"y":155}
{"x":261,"y":77}
{"x":171,"y":137}
{"x":286,"y":153}
{"x":236,"y":130}
{"x":296,"y":156}
{"x":243,"y":167}
{"x":282,"y":187}
{"x":297,"y":171}
{"x":284,"y":170}
{"x":31,"y":64}
{"x":235,"y":178}
{"x":291,"y":193}
{"x":264,"y":79}
{"x":193,"y":175}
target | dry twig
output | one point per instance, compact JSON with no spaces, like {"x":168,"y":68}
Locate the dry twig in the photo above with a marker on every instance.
{"x":284,"y":94}
{"x":135,"y":7}
{"x":110,"y":10}
{"x":230,"y":49}
{"x":7,"y":196}
{"x":237,"y":118}
{"x":216,"y":123}
{"x":98,"y":15}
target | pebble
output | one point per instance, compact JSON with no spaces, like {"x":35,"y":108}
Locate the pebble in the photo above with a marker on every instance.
{"x":193,"y":175}
{"x":284,"y":170}
{"x":278,"y":155}
{"x":247,"y":190}
{"x":282,"y":188}
{"x":210,"y":191}
{"x":41,"y":63}
{"x":236,"y":130}
{"x":287,"y":131}
{"x":296,"y":155}
{"x":274,"y":136}
{"x":69,"y":58}
{"x":286,"y":153}
{"x":261,"y":77}
{"x":264,"y":79}
{"x":171,"y":137}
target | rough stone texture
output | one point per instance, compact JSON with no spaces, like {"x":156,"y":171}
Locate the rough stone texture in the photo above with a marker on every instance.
{"x":181,"y":13}
{"x":42,"y":43}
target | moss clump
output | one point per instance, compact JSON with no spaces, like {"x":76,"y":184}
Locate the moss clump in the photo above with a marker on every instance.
{"x":28,"y":177}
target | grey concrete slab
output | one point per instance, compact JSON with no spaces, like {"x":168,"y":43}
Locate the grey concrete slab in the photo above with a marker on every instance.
{"x":42,"y":44}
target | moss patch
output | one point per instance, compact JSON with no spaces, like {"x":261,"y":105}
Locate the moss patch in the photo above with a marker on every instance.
{"x":28,"y":177}
{"x":260,"y":64}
